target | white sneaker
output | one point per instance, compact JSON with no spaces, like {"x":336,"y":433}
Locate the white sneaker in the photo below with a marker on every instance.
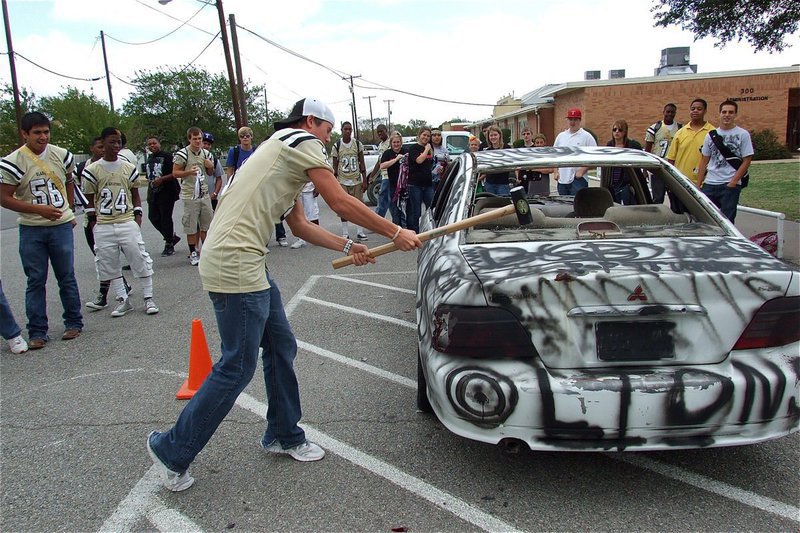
{"x":304,"y":452}
{"x":299,"y":243}
{"x":283,"y":242}
{"x":361,"y":236}
{"x":18,"y":345}
{"x":174,"y":481}
{"x":123,"y":306}
{"x":194,"y":259}
{"x":150,"y":306}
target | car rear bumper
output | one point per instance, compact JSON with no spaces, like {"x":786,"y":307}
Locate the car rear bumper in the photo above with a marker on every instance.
{"x":751,"y":397}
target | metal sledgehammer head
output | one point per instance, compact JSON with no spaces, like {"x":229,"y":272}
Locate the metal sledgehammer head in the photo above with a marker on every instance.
{"x":521,"y":206}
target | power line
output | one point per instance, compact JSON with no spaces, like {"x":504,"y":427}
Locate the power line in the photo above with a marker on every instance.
{"x":52,"y":71}
{"x":214,"y":38}
{"x":184,"y":23}
{"x":377,"y":86}
{"x":338,"y":73}
{"x":170,"y":16}
{"x":123,"y":80}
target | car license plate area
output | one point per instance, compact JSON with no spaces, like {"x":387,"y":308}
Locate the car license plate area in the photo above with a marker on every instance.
{"x":635,"y":341}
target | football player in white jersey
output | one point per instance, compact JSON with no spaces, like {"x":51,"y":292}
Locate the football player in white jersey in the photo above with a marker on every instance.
{"x":115,"y":217}
{"x":37,"y":183}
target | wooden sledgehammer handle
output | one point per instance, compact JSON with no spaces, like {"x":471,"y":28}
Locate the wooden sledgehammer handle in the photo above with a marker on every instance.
{"x":438,"y":232}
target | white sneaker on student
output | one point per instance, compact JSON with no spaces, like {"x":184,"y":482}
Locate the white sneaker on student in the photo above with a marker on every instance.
{"x":18,"y":345}
{"x":283,"y":242}
{"x":150,"y":306}
{"x":174,"y":481}
{"x":299,"y":243}
{"x":194,"y":259}
{"x":362,"y":236}
{"x":123,"y":306}
{"x":305,"y":451}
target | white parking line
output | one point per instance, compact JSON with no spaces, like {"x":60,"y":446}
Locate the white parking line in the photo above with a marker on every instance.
{"x":710,"y":485}
{"x":441,"y":499}
{"x":371,"y":284}
{"x":142,"y":502}
{"x":356,"y":311}
{"x":364,"y":367}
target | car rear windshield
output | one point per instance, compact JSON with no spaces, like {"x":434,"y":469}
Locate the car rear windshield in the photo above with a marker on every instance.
{"x":601,"y":211}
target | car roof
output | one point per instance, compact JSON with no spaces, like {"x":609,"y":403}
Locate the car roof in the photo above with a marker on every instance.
{"x":566,"y":156}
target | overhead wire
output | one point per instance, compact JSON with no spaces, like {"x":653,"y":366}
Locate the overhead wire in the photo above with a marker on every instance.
{"x":184,"y":23}
{"x":342,"y":74}
{"x":170,"y":16}
{"x":34,"y":63}
{"x":338,"y":73}
{"x":214,"y":38}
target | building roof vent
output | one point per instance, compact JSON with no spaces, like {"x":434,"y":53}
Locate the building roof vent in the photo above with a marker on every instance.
{"x":591,"y":75}
{"x":616,"y":74}
{"x":675,"y":61}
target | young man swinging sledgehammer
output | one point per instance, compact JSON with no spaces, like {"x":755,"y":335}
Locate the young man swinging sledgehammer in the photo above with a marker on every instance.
{"x":247,"y":302}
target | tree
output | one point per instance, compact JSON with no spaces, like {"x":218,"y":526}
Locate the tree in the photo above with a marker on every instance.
{"x":9,"y":138}
{"x":762,"y":23}
{"x":76,"y":118}
{"x":167,"y":102}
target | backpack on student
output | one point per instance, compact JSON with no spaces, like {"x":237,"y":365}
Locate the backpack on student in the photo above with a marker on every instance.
{"x":338,"y":145}
{"x":733,"y":160}
{"x":657,"y":126}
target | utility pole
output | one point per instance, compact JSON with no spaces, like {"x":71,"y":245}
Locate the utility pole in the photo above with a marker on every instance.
{"x":223,"y":32}
{"x":389,"y":112}
{"x":353,"y":105}
{"x":371,"y":121}
{"x":108,"y":77}
{"x":266,"y":109}
{"x":239,"y":78}
{"x":14,"y":87}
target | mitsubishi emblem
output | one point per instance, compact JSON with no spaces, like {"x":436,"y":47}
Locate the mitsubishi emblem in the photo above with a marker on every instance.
{"x":637,"y":294}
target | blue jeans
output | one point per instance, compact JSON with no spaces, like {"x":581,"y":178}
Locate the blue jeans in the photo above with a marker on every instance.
{"x":500,"y":189}
{"x":621,"y":193}
{"x":416,"y":196}
{"x":724,"y":197}
{"x":37,"y":246}
{"x":246,"y":322}
{"x":578,"y":184}
{"x":8,"y":325}
{"x":280,"y":231}
{"x":383,"y":198}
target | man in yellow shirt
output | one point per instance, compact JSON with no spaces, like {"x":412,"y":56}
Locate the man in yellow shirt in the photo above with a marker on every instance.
{"x":684,"y":152}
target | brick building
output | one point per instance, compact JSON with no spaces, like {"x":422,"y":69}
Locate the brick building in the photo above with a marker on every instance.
{"x":768,"y":99}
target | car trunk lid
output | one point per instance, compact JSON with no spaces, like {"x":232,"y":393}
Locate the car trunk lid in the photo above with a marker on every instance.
{"x":623,"y":303}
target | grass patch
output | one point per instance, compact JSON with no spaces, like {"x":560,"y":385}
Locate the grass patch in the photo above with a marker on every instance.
{"x":775,"y":187}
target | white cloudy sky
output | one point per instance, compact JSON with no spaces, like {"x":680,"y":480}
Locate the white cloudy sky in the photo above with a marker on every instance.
{"x":463,"y":50}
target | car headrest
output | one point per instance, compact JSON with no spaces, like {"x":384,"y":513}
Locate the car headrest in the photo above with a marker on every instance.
{"x":592,"y":202}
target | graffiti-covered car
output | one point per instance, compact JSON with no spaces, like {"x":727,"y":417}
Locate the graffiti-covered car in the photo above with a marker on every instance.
{"x":602,"y":326}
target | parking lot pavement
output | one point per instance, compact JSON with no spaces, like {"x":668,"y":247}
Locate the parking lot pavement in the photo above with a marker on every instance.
{"x":74,"y":417}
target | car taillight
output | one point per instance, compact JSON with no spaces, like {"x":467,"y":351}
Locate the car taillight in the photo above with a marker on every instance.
{"x":481,"y":332}
{"x":777,"y":323}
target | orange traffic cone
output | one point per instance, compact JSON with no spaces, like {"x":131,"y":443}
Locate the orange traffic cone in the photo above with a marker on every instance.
{"x":199,"y":362}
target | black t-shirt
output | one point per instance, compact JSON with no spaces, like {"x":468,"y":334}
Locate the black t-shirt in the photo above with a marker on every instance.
{"x":419,"y":174}
{"x":498,"y":178}
{"x":393,"y":171}
{"x":160,"y":164}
